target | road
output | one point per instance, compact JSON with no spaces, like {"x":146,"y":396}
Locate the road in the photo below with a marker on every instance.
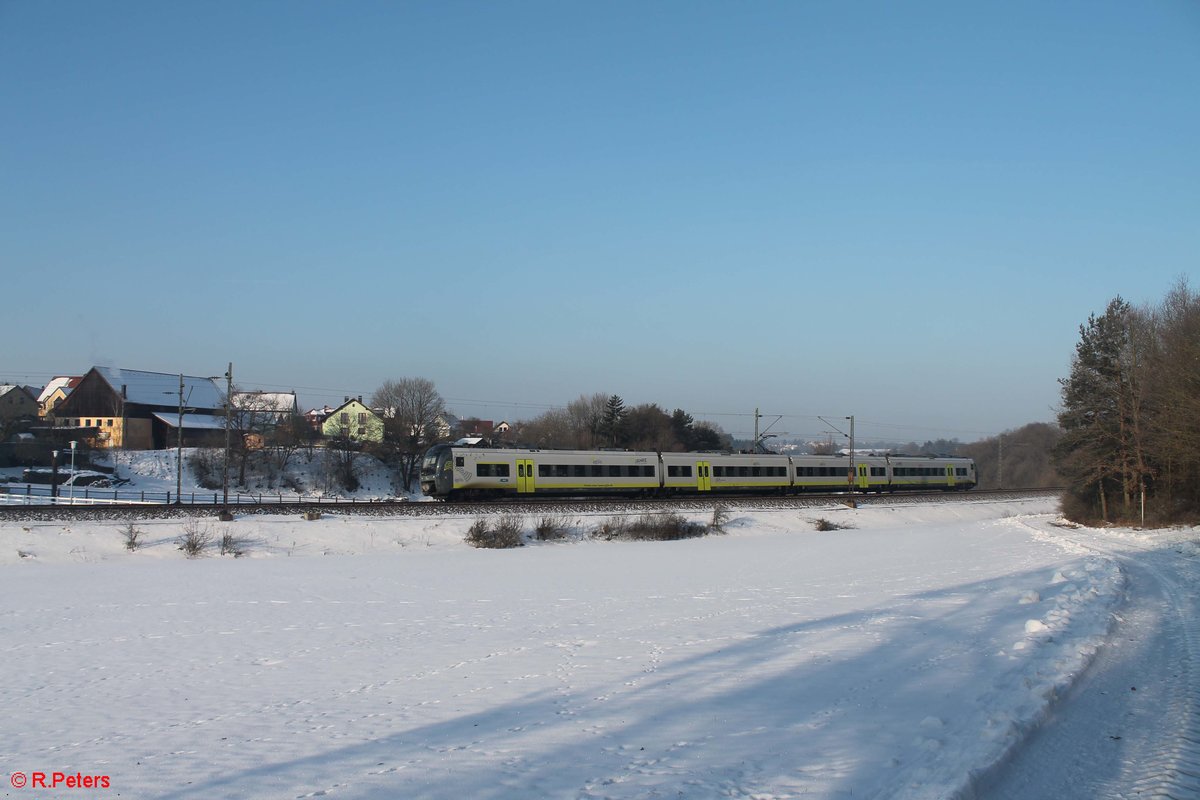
{"x":1130,"y":728}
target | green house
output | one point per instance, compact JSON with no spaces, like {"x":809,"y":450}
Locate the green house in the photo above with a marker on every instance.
{"x":353,"y":420}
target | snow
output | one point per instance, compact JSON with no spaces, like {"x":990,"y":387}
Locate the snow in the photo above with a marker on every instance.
{"x":154,"y":472}
{"x":903,"y":655}
{"x":155,"y":388}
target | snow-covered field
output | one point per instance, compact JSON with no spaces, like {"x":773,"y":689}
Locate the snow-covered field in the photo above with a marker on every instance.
{"x":383,"y":658}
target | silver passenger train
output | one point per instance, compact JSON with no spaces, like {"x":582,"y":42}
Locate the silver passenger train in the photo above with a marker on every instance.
{"x":452,"y":472}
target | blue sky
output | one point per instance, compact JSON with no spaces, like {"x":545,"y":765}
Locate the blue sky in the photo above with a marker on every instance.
{"x":900,"y":211}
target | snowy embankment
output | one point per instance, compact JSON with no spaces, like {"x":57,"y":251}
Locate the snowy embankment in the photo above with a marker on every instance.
{"x":897,"y":657}
{"x":158,"y":472}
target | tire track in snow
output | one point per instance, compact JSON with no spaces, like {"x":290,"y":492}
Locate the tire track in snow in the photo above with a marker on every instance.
{"x":1131,"y":727}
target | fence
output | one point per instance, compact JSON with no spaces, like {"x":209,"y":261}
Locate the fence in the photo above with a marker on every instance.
{"x":34,"y":494}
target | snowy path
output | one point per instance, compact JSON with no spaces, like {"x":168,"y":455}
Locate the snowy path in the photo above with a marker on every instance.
{"x":1131,"y":727}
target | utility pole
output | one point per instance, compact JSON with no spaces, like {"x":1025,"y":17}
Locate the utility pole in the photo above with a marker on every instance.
{"x":73,"y":443}
{"x":225,"y":515}
{"x":759,"y":438}
{"x":1000,"y":462}
{"x":850,"y":472}
{"x":852,"y":475}
{"x":179,"y":448}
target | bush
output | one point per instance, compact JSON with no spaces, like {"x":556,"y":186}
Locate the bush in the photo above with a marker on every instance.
{"x":232,"y":545}
{"x":720,"y":518}
{"x":825,"y":525}
{"x":550,"y":529}
{"x":132,"y":535}
{"x":196,"y":537}
{"x":651,"y":528}
{"x":208,"y":467}
{"x":503,"y":534}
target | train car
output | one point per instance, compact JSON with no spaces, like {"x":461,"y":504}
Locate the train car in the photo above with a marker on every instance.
{"x":761,"y":473}
{"x":450,"y":472}
{"x":931,"y":472}
{"x":478,"y":473}
{"x":829,"y":473}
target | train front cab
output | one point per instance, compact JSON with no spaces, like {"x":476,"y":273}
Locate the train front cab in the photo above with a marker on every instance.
{"x":437,"y":471}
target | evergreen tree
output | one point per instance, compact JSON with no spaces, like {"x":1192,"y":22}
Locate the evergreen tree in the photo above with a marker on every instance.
{"x":1101,"y":452}
{"x":610,"y":424}
{"x":682,"y":426}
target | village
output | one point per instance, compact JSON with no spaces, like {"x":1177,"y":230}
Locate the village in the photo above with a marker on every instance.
{"x":81,"y":424}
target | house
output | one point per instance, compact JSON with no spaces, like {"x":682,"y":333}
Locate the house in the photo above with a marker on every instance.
{"x":502,"y":428}
{"x":139,"y":410}
{"x":260,"y":410}
{"x":16,"y":402}
{"x":474,"y":426}
{"x":316,"y":417}
{"x":54,"y":392}
{"x":445,"y":424}
{"x":353,"y":420}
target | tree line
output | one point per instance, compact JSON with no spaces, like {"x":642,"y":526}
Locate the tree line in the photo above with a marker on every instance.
{"x":414,"y":413}
{"x":1126,"y":446}
{"x":1130,"y":413}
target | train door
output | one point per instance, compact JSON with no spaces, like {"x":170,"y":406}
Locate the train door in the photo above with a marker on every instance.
{"x":864,"y":471}
{"x":524,"y":476}
{"x":950,"y":481}
{"x":703,"y":476}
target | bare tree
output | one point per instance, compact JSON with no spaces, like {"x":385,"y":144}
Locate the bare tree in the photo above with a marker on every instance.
{"x":341,"y":459}
{"x":1173,"y":400}
{"x":586,"y":416}
{"x":553,"y":429}
{"x":411,"y":408}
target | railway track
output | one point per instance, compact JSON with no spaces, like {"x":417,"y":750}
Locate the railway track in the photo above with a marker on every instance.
{"x":556,"y":505}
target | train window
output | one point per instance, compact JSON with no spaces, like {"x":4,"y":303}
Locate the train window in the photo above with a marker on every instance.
{"x":543,"y":470}
{"x":718,"y":472}
{"x":877,"y":472}
{"x":685,"y":472}
{"x":458,"y":462}
{"x":614,"y":471}
{"x":597,"y":470}
{"x":562,"y":471}
{"x":579,"y":470}
{"x":491,"y":470}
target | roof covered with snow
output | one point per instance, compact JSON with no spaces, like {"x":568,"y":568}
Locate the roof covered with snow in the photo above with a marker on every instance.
{"x":278,"y":402}
{"x":193,"y":421}
{"x":64,"y":382}
{"x":8,"y":387}
{"x":152,"y":388}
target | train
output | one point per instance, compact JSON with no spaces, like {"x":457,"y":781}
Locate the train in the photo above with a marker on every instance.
{"x":458,"y":472}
